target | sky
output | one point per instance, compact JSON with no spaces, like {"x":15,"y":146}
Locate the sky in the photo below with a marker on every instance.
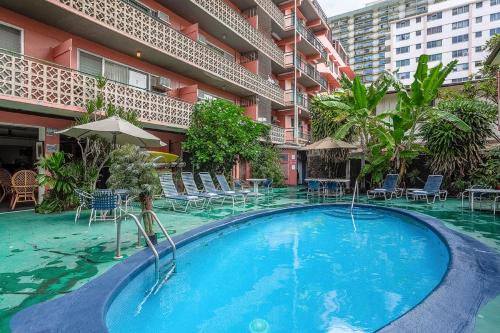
{"x":335,"y":7}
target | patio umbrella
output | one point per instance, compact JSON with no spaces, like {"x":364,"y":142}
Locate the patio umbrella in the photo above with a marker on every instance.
{"x":329,"y":143}
{"x":115,"y":130}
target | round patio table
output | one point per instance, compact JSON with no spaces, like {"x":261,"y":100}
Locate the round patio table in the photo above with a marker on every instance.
{"x":256,"y":182}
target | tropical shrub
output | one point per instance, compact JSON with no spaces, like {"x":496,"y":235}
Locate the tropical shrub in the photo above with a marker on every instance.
{"x":453,"y":152}
{"x":219,"y":134}
{"x":131,"y":169}
{"x":489,"y":173}
{"x":61,"y":178}
{"x":266,"y":164}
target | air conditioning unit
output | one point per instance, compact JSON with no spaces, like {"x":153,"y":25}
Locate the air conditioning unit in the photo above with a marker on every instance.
{"x":163,"y":17}
{"x":160,"y":83}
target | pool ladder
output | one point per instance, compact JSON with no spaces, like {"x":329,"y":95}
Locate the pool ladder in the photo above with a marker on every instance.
{"x":163,"y":273}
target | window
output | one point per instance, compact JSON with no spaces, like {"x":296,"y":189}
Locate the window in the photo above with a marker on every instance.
{"x":494,"y":2}
{"x":403,"y":24}
{"x":418,"y":32}
{"x":479,"y":4}
{"x":460,"y":10}
{"x":479,"y":34}
{"x":403,"y":63}
{"x":479,"y":19}
{"x":404,"y":75}
{"x":418,"y":46}
{"x":478,"y":49}
{"x":419,"y":19}
{"x":460,"y":53}
{"x":435,"y":16}
{"x":461,"y":67}
{"x":90,"y":64}
{"x":95,"y":65}
{"x":434,"y":43}
{"x":460,"y":24}
{"x":435,"y":57}
{"x":494,"y":31}
{"x":404,"y":49}
{"x":434,"y":30}
{"x":403,"y":37}
{"x":460,"y":39}
{"x":10,"y":39}
{"x":495,"y":17}
{"x":459,"y":80}
{"x":478,"y":63}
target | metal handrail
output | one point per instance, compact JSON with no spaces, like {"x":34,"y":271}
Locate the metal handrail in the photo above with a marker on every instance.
{"x":141,"y":230}
{"x":355,"y":193}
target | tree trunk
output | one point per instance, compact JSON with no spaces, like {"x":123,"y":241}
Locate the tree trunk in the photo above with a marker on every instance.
{"x":147,"y":219}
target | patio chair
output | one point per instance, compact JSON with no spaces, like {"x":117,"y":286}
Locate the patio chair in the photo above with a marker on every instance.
{"x":239,"y":186}
{"x":103,"y":201}
{"x":477,"y":196}
{"x":389,"y":187}
{"x":432,"y":188}
{"x":172,"y":196}
{"x":333,"y":189}
{"x":24,"y":185}
{"x":84,"y":201}
{"x":268,"y":186}
{"x":209,"y":186}
{"x":192,"y":189}
{"x":5,"y":183}
{"x":313,"y":187}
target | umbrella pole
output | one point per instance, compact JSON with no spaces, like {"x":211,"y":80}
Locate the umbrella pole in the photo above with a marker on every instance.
{"x":114,"y":141}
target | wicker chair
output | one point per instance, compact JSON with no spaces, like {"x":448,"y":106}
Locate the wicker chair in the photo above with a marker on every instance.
{"x":5,"y":183}
{"x":24,"y":185}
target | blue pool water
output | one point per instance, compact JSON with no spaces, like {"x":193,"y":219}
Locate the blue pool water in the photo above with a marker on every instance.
{"x":314,"y":270}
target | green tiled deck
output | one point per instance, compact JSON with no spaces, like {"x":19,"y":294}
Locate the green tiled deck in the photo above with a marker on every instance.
{"x":44,"y":256}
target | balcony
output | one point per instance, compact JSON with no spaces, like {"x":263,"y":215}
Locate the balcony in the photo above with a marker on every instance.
{"x":302,"y":99}
{"x":269,"y":7}
{"x":118,"y":25}
{"x":309,"y":75}
{"x":303,"y":137}
{"x":309,"y":43}
{"x":277,"y":134}
{"x":225,"y":23}
{"x":312,"y":11}
{"x":35,"y":85}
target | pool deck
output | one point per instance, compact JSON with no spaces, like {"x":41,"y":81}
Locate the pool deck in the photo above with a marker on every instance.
{"x":44,"y":256}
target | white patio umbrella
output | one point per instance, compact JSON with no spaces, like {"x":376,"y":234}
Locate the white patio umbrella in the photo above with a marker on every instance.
{"x":115,"y":130}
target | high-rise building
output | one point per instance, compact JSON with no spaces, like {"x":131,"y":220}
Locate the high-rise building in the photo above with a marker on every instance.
{"x":161,"y":57}
{"x":453,"y":30}
{"x":363,"y":32}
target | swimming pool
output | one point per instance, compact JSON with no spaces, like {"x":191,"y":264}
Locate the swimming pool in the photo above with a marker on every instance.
{"x":296,"y":269}
{"x":313,"y":270}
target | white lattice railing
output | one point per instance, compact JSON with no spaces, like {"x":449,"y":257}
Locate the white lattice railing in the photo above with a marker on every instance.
{"x":120,"y":16}
{"x":273,"y":11}
{"x":221,"y":11}
{"x":277,"y":134}
{"x":39,"y":81}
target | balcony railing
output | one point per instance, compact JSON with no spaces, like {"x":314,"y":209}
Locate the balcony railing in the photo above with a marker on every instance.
{"x":303,"y":137}
{"x":320,"y":11}
{"x":237,"y":23}
{"x":302,"y":99}
{"x":308,"y":35}
{"x":273,"y":11}
{"x":119,"y":16}
{"x":310,"y":71}
{"x":39,"y":81}
{"x":277,"y":134}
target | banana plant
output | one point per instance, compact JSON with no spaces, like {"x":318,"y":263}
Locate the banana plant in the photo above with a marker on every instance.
{"x":355,"y":106}
{"x":415,"y":108}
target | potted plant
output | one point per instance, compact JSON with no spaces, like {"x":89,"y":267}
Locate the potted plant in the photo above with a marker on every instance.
{"x":132,"y":169}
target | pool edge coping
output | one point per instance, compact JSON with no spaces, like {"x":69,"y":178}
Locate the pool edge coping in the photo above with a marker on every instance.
{"x":85,"y":309}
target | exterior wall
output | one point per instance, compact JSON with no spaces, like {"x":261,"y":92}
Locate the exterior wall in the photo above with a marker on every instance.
{"x":477,"y":34}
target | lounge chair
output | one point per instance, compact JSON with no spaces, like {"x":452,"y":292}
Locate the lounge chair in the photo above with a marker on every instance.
{"x":240,"y":187}
{"x":333,"y":189}
{"x":432,"y":188}
{"x":192,"y":189}
{"x":209,"y":186}
{"x":388,"y":188}
{"x":172,"y":196}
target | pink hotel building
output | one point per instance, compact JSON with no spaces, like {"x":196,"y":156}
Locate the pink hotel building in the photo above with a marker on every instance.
{"x":161,"y":57}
